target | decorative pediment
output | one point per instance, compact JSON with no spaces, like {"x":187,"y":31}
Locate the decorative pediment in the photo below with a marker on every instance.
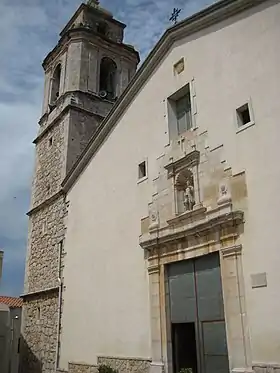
{"x":190,"y":160}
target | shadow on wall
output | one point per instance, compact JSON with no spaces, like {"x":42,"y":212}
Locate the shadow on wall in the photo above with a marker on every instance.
{"x":29,"y":363}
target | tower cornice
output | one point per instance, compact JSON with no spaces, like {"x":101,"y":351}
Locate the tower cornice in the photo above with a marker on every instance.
{"x":88,"y":35}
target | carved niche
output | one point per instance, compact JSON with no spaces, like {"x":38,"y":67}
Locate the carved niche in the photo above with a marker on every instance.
{"x":184,"y":187}
{"x":184,"y":172}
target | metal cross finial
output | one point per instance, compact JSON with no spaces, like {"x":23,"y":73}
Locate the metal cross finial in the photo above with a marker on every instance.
{"x":175,"y":15}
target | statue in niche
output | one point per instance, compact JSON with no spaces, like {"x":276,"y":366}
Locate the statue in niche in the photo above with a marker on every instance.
{"x":189,"y":201}
{"x":185,"y":191}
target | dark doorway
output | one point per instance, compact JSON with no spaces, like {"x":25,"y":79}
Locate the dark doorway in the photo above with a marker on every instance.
{"x":197,"y":315}
{"x":184,"y":346}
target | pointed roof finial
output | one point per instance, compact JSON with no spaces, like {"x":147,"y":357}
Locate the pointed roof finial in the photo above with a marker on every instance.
{"x":93,"y":3}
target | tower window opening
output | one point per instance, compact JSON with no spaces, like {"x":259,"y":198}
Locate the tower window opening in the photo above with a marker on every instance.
{"x":107,"y":79}
{"x":55,"y":84}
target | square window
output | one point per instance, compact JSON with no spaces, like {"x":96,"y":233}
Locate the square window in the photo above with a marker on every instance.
{"x":243,"y":115}
{"x":142,"y":170}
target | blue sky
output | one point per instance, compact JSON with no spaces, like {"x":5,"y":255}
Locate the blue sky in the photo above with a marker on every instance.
{"x":28,"y":31}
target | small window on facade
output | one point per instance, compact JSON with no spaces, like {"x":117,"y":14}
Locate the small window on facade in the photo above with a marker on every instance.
{"x":50,"y":142}
{"x":44,"y":227}
{"x":142,"y":170}
{"x":38,"y":316}
{"x":243,"y":115}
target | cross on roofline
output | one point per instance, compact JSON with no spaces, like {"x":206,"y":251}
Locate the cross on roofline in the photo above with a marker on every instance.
{"x":175,"y":15}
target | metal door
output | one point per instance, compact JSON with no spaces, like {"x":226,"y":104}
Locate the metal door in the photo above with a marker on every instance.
{"x":195,"y":294}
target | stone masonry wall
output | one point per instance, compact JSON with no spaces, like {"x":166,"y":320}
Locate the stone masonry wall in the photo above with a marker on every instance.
{"x":122,"y":365}
{"x":50,"y":158}
{"x":81,"y":368}
{"x":126,"y":365}
{"x":81,"y":128}
{"x":46,"y":231}
{"x":39,"y":338}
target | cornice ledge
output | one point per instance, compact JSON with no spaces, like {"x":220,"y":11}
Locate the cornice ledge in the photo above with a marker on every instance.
{"x":187,"y":215}
{"x":136,"y":358}
{"x":60,"y":115}
{"x":154,"y":268}
{"x":90,"y":94}
{"x":39,"y":292}
{"x":189,"y":160}
{"x":45,"y":203}
{"x":168,"y":235}
{"x":231,"y":251}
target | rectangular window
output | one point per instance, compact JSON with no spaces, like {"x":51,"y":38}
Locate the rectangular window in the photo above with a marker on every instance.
{"x":142,"y":170}
{"x":180,"y":112}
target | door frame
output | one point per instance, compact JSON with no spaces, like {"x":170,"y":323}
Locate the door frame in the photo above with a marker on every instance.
{"x":232,"y":288}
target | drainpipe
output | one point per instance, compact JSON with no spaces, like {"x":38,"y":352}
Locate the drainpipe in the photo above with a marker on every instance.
{"x":59,"y":306}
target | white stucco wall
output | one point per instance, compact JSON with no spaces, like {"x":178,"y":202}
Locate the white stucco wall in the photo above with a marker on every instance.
{"x":106,"y":307}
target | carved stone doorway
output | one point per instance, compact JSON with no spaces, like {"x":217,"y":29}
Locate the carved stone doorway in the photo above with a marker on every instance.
{"x":195,"y":296}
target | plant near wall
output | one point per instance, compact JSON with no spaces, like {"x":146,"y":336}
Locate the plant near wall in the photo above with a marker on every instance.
{"x":103,"y":368}
{"x":186,"y":370}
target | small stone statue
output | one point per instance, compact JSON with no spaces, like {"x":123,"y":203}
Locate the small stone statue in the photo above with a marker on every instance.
{"x":189,"y":201}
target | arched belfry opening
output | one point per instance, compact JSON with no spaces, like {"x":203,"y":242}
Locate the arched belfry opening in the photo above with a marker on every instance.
{"x":55,"y":84}
{"x":107,"y":78}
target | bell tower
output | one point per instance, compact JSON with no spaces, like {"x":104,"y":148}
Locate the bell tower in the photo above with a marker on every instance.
{"x":85,"y":73}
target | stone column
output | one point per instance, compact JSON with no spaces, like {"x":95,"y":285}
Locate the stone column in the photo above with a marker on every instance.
{"x":197,"y":196}
{"x":155,"y":286}
{"x":235,"y":310}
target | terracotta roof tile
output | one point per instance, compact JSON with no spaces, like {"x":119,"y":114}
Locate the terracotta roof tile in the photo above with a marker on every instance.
{"x":11,"y":301}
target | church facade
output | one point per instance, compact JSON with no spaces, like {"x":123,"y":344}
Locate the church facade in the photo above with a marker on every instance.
{"x":153,"y":230}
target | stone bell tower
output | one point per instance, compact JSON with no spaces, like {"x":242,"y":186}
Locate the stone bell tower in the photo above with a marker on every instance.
{"x":84,"y":75}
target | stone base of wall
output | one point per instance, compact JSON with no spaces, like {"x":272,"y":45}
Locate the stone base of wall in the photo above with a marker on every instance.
{"x":81,"y":368}
{"x":266,"y":368}
{"x":122,"y":365}
{"x":126,"y":365}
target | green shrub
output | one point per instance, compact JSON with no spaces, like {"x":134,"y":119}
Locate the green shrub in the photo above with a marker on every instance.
{"x":103,"y":368}
{"x":186,"y":370}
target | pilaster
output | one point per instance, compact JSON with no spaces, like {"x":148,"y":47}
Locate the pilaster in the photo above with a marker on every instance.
{"x":235,"y":309}
{"x":156,"y":300}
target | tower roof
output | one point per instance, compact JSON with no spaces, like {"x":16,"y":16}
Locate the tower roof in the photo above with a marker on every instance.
{"x":96,"y":5}
{"x":92,"y":6}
